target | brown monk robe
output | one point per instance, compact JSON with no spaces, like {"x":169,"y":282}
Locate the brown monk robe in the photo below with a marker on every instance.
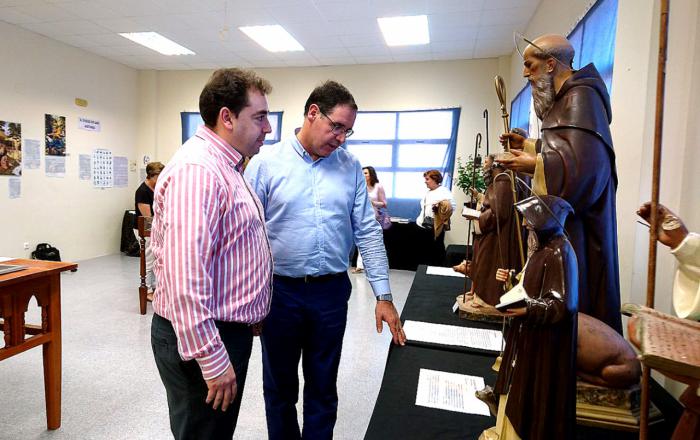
{"x":575,"y":160}
{"x":538,"y":371}
{"x":498,"y":244}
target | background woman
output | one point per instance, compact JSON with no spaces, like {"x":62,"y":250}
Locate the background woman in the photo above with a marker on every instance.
{"x":377,"y":196}
{"x":428,"y":207}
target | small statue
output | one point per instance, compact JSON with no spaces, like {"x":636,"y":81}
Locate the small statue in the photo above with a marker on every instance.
{"x":536,"y":381}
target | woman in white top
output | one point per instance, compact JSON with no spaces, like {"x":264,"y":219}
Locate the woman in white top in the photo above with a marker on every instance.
{"x":428,"y":205}
{"x":377,"y":196}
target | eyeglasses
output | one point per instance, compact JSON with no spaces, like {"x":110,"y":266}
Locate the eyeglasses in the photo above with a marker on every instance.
{"x":338,"y":129}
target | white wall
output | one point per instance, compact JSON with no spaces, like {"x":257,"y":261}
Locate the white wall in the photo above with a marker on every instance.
{"x":41,"y":76}
{"x":409,"y":86}
{"x":633,"y":105}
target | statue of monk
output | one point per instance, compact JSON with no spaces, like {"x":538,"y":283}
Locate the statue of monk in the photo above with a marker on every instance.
{"x":575,"y":160}
{"x":536,"y":381}
{"x":498,"y":242}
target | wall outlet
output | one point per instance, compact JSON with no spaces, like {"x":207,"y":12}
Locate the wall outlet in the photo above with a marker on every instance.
{"x":26,"y":245}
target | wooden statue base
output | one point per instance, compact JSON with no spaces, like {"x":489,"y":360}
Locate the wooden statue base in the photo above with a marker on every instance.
{"x":610,"y":408}
{"x":483,"y":314}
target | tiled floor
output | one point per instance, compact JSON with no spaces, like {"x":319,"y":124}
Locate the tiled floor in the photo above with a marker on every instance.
{"x":111,"y":389}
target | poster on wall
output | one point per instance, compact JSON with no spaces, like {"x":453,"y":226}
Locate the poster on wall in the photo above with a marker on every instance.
{"x":15,"y":187}
{"x":85,"y":167}
{"x":102,"y":170}
{"x":55,"y":131}
{"x":31,"y":156}
{"x":55,"y":166}
{"x":121,"y":172}
{"x":10,"y":148}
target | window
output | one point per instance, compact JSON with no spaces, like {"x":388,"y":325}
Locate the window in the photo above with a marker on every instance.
{"x":401,"y":146}
{"x":593,"y":39}
{"x":192,"y":120}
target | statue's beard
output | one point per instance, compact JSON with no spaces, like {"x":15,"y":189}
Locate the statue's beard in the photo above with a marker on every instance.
{"x":543,"y":94}
{"x":533,"y":243}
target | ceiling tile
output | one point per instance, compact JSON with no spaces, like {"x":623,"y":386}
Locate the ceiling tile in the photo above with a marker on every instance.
{"x":70,"y":27}
{"x":511,"y":16}
{"x":44,"y":11}
{"x":366,"y":39}
{"x":370,"y":51}
{"x":13,"y":15}
{"x":87,"y":9}
{"x":447,"y":6}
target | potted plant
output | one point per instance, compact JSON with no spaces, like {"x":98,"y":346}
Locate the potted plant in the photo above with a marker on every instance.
{"x":467,"y":177}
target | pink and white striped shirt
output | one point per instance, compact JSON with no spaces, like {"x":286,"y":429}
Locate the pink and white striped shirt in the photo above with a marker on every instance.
{"x":212,"y":256}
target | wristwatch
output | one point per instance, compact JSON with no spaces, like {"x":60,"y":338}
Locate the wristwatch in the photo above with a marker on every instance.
{"x":385,"y":297}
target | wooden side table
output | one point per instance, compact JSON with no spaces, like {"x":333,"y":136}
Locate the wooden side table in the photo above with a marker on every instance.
{"x":40,"y":280}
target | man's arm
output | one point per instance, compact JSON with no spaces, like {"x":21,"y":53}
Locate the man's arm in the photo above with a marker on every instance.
{"x":370,"y":240}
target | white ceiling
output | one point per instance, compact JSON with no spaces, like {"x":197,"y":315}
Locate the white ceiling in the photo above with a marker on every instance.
{"x":333,"y":32}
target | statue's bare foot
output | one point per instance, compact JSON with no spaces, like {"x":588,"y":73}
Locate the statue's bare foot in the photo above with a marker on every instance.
{"x":487,"y":396}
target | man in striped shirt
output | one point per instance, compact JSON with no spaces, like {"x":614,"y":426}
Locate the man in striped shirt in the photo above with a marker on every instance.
{"x":212,"y":259}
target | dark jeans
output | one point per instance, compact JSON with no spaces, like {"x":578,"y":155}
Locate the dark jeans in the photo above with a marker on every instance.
{"x":190,"y":416}
{"x":307,"y":322}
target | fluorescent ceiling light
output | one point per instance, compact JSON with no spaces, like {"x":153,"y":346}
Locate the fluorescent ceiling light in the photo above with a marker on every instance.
{"x":157,"y":42}
{"x":405,"y":31}
{"x":273,"y":38}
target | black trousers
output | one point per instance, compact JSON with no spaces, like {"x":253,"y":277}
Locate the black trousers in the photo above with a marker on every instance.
{"x":190,"y":416}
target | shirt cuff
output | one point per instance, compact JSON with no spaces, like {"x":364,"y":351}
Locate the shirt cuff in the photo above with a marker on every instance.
{"x":215,"y":363}
{"x":380,"y":287}
{"x":684,"y":251}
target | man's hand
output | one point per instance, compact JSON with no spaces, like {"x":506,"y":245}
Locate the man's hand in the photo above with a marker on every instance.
{"x":222,"y":389}
{"x":670,"y":237}
{"x":385,"y":311}
{"x":516,"y":141}
{"x":521,"y":162}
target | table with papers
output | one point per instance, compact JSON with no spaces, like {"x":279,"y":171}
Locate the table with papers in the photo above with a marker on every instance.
{"x":427,"y":388}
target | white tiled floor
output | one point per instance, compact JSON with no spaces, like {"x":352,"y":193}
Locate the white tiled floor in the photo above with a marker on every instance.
{"x":111,"y":389}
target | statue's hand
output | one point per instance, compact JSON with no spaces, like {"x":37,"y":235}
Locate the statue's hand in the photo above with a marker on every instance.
{"x":671,"y":230}
{"x":516,"y":141}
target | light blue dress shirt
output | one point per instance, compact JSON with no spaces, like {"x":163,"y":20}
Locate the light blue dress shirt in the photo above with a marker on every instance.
{"x":314,"y":210}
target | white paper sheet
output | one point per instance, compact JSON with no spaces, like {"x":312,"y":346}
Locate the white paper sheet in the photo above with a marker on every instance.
{"x":480,"y":338}
{"x":55,"y":166}
{"x":2,"y":259}
{"x":443,"y":272}
{"x":15,"y":187}
{"x":85,"y":167}
{"x":102,"y":171}
{"x":121,"y":171}
{"x":31,"y":156}
{"x":450,"y":391}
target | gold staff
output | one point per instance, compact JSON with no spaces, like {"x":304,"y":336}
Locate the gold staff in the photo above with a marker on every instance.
{"x":501,"y":92}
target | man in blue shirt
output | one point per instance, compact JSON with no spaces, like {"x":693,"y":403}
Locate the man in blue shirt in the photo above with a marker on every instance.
{"x":315,"y":200}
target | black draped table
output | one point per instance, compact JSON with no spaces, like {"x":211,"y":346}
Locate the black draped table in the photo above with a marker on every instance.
{"x":397,"y":416}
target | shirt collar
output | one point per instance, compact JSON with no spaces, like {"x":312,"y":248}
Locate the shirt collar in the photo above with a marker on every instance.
{"x":230,"y":154}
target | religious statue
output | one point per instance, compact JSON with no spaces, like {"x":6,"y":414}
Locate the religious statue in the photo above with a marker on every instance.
{"x":498,"y":244}
{"x":575,"y":160}
{"x":536,"y":381}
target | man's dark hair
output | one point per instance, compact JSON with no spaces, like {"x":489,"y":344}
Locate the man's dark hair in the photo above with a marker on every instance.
{"x":229,"y":88}
{"x":328,"y":95}
{"x":373,"y":179}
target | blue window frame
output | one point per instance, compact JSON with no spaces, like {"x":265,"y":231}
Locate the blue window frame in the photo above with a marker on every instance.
{"x":192,"y":120}
{"x":593,"y":39}
{"x":401,"y":146}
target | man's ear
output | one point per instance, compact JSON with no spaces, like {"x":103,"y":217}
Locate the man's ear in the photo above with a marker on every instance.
{"x":313,"y":112}
{"x":551,"y":65}
{"x":227,"y":118}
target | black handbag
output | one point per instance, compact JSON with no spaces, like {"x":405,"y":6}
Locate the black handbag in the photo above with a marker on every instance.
{"x":45,"y":251}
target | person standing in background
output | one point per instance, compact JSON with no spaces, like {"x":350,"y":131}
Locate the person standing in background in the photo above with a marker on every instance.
{"x":377,"y":196}
{"x":143,"y":205}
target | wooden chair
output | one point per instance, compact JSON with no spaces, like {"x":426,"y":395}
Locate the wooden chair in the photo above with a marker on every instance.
{"x":144,"y":227}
